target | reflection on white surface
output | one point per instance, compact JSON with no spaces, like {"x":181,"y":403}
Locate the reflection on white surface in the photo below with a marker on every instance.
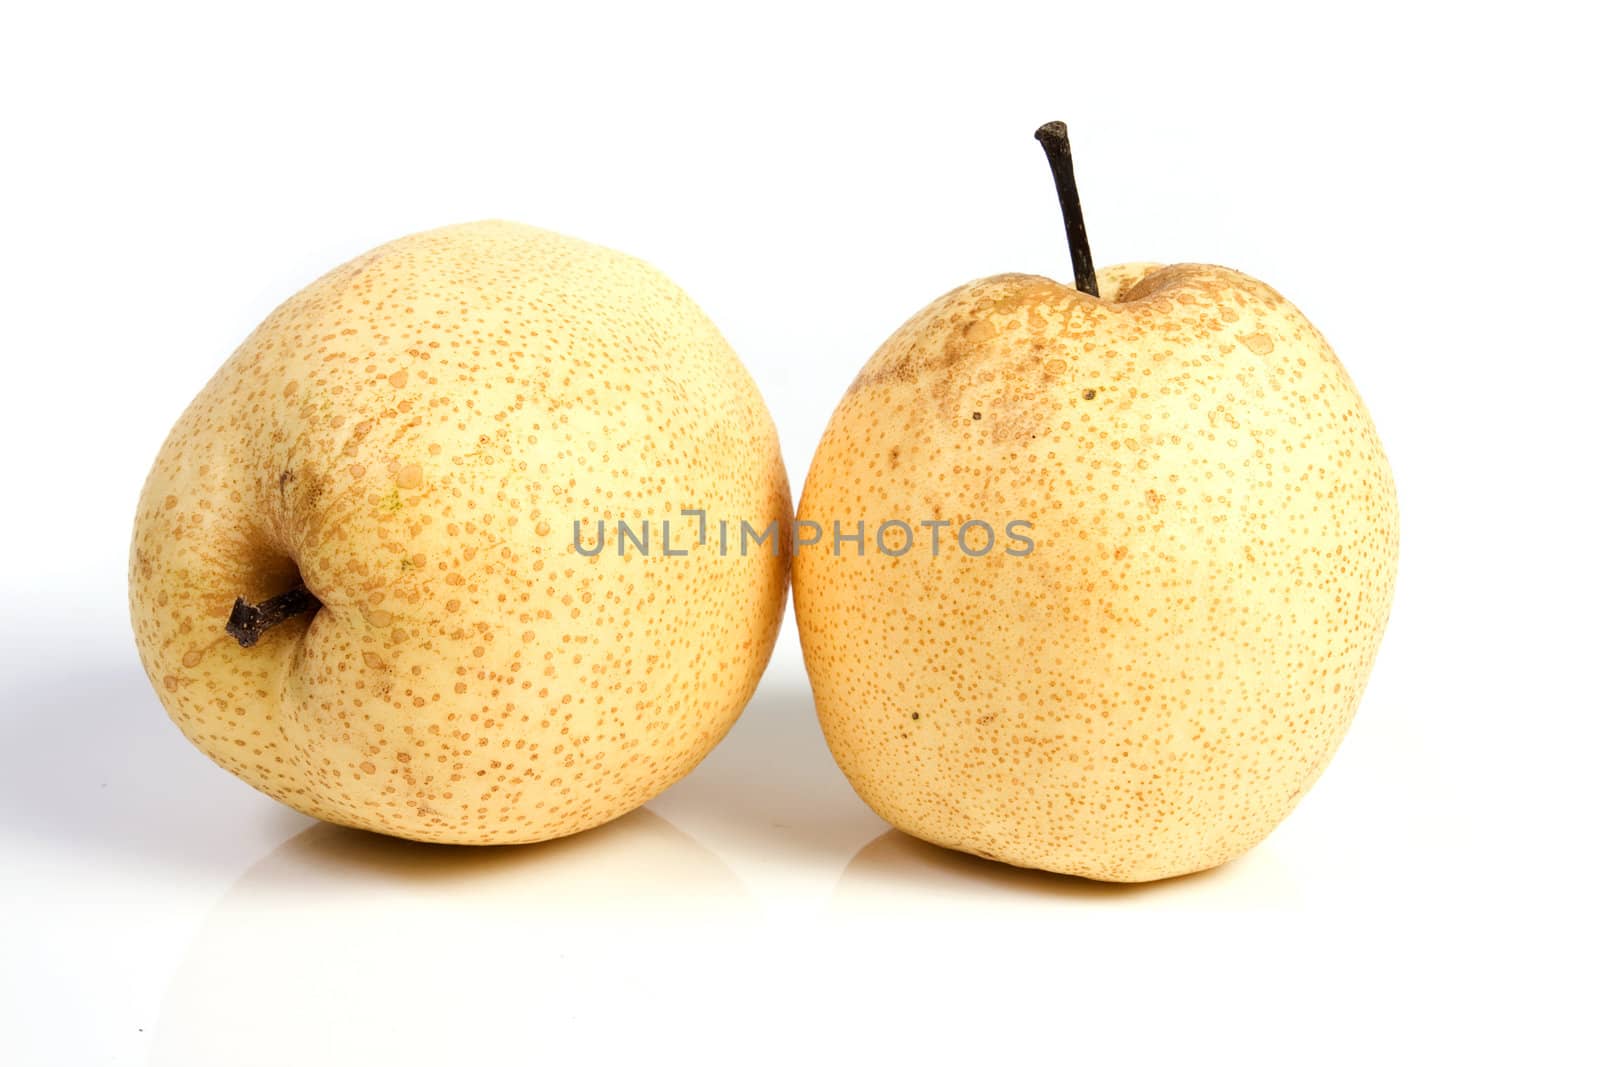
{"x":896,"y":871}
{"x":343,"y":947}
{"x":92,"y":770}
{"x":159,"y":906}
{"x":770,"y":797}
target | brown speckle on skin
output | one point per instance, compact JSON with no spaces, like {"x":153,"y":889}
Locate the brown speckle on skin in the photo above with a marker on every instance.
{"x":1259,"y":343}
{"x":409,"y":476}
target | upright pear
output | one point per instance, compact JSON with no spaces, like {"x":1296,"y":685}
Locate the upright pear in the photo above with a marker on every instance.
{"x":1148,"y":686}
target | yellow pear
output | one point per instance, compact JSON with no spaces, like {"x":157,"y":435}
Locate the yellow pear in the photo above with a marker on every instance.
{"x":372,"y":573}
{"x":1143,"y":677}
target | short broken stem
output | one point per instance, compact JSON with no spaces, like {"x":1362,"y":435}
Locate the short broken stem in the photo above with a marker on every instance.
{"x":1053,"y":136}
{"x":247,"y":622}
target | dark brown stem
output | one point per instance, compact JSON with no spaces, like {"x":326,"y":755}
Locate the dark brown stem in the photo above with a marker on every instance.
{"x":247,"y":622}
{"x":1053,"y":136}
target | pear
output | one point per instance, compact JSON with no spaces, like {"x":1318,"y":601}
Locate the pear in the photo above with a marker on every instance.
{"x":1143,"y":680}
{"x":370,"y":573}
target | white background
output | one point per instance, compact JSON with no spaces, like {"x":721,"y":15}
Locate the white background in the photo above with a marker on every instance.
{"x":1420,"y":182}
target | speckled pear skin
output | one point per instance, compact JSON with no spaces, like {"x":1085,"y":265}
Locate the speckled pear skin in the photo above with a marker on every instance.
{"x":1151,"y":690}
{"x":415,"y":433}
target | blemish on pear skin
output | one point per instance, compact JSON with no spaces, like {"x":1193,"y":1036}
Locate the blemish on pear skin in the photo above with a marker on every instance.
{"x":1259,"y":343}
{"x":361,"y":430}
{"x":1090,"y":394}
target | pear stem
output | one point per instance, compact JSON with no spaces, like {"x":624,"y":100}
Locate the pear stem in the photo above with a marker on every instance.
{"x":1058,"y":150}
{"x":247,"y":622}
